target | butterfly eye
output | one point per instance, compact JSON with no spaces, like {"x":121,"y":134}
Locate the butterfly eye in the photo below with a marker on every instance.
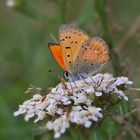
{"x":66,"y":75}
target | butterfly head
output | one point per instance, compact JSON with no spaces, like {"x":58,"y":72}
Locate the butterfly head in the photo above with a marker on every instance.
{"x":70,"y":77}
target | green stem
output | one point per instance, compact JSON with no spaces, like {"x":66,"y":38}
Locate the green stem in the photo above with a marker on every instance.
{"x":100,"y":7}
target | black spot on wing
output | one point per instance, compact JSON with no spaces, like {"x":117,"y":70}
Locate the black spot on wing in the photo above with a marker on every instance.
{"x":67,"y":47}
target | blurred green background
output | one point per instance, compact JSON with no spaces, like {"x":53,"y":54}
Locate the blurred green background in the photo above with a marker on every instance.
{"x":25,"y":59}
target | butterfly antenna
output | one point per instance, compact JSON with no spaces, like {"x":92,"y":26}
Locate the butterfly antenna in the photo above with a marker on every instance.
{"x":63,"y":82}
{"x":71,"y":82}
{"x":90,"y":78}
{"x":53,"y":37}
{"x":86,"y":81}
{"x":82,"y":78}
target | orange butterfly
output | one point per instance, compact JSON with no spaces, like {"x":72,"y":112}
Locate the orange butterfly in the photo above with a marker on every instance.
{"x":78,"y":54}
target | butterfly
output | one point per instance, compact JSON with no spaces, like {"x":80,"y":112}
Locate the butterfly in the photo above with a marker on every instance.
{"x":78,"y":54}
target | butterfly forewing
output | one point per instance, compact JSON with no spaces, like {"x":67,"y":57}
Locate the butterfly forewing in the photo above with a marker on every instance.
{"x":71,"y":38}
{"x":57,"y":53}
{"x":92,"y":57}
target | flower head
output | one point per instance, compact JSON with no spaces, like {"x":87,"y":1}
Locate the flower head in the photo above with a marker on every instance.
{"x":74,"y":102}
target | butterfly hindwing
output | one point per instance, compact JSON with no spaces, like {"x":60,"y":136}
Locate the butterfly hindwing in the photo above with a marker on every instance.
{"x":92,"y":57}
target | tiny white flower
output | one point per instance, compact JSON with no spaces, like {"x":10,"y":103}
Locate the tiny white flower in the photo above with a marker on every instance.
{"x":65,"y":100}
{"x":59,"y":111}
{"x":49,"y":125}
{"x":121,"y":94}
{"x":89,"y":89}
{"x":21,"y":110}
{"x":59,"y":125}
{"x":29,"y":115}
{"x":125,"y":98}
{"x":57,"y":135}
{"x":51,"y":109}
{"x":98,"y":93}
{"x":88,"y":124}
{"x":94,"y":118}
{"x":41,"y":115}
{"x":37,"y":97}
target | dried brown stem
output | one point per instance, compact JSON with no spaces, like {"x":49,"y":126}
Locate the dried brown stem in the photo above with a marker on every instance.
{"x":135,"y":27}
{"x":126,"y":126}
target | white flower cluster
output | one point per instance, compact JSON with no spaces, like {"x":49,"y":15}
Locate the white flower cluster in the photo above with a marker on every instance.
{"x":10,"y":3}
{"x":72,"y":102}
